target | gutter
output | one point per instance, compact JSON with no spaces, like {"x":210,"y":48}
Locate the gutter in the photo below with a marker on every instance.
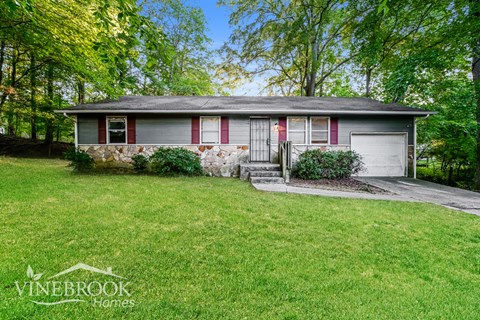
{"x":251,"y":112}
{"x":74,"y":118}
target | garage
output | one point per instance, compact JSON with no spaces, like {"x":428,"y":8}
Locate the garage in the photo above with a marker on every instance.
{"x":384,"y":154}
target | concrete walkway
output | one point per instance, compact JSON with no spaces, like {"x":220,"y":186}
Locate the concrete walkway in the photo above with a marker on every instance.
{"x":402,"y":189}
{"x":330,"y":193}
{"x":425,"y":191}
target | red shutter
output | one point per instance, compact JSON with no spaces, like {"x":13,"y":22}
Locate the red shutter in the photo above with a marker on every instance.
{"x":282,"y":129}
{"x":102,"y":130}
{"x":224,"y":136}
{"x":131,"y":130}
{"x":196,"y":130}
{"x":333,"y":130}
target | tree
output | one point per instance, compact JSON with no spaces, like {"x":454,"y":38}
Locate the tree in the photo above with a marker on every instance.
{"x":428,"y":68}
{"x":381,"y":37}
{"x":296,"y":44}
{"x":186,"y":70}
{"x":91,"y":44}
{"x":474,"y":32}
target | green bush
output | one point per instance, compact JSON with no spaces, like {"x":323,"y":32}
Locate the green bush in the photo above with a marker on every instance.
{"x":175,"y":161}
{"x":461,"y":178}
{"x":140,"y":162}
{"x":80,"y":161}
{"x":317,"y":164}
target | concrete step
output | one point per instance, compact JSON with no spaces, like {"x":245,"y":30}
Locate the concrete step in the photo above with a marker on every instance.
{"x":260,"y":166}
{"x":246,"y":168}
{"x":260,"y":180}
{"x":265,"y":173}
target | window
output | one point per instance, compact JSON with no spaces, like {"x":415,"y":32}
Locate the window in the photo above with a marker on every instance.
{"x":117,"y":132}
{"x":319,"y":130}
{"x":210,"y":130}
{"x":297,"y":130}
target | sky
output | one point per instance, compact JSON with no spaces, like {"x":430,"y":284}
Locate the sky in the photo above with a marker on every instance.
{"x":219,"y":31}
{"x":217,"y":19}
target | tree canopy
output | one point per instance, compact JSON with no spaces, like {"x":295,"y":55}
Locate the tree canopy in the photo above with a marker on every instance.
{"x":53,"y":54}
{"x":425,"y":54}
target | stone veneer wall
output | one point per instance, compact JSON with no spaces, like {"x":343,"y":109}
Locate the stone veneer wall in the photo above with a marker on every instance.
{"x":216,"y":160}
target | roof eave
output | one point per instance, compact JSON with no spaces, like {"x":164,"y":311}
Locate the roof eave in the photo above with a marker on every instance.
{"x":253,"y":112}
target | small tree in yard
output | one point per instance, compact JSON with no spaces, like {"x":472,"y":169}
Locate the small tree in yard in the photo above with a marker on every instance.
{"x":80,"y":161}
{"x":317,"y":164}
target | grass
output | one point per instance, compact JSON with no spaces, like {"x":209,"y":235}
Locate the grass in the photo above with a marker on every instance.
{"x":213,"y":248}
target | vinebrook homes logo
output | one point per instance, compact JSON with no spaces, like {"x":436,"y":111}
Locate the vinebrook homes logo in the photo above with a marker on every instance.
{"x":111,"y":290}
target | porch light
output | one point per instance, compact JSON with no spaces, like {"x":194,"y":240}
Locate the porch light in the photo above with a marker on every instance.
{"x":275,"y":127}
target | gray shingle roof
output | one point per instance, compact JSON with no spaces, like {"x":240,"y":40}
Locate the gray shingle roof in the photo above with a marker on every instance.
{"x":244,"y":105}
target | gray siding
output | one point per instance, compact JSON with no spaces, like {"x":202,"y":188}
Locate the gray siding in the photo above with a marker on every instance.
{"x":178,"y":129}
{"x":87,"y":130}
{"x":164,"y":130}
{"x":347,"y":125}
{"x":239,"y":130}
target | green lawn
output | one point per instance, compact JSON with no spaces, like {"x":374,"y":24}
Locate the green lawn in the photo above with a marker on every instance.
{"x":213,"y":248}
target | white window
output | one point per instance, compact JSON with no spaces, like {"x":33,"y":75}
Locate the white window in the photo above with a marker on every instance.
{"x":117,"y":130}
{"x":297,"y":130}
{"x":319,"y":128}
{"x":210,"y":130}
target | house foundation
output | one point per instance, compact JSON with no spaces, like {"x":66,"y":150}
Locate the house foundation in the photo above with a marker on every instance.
{"x":216,"y":160}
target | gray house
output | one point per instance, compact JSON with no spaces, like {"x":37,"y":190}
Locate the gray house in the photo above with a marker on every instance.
{"x":228,"y":131}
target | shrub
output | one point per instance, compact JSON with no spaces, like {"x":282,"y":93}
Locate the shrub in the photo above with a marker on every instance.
{"x":461,"y":178}
{"x":317,"y":164}
{"x":175,"y":161}
{"x":80,"y":161}
{"x":140,"y":162}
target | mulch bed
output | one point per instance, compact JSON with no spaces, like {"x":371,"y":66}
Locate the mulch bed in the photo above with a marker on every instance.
{"x":349,"y":185}
{"x":27,"y":148}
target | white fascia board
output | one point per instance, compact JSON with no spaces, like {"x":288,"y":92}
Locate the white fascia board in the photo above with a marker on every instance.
{"x":253,"y":112}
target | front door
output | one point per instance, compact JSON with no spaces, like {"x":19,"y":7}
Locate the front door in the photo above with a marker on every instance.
{"x":260,"y":139}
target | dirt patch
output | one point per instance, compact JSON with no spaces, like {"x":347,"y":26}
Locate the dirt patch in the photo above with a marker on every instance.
{"x":27,"y":148}
{"x":348,"y":185}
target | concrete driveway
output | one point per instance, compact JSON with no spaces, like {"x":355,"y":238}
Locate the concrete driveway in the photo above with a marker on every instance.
{"x":421,"y":190}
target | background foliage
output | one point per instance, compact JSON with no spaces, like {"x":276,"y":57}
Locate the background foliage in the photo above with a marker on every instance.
{"x":420,"y":53}
{"x":54,"y":54}
{"x":424,"y":54}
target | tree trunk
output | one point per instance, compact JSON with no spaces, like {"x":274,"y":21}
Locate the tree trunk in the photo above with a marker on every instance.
{"x":170,"y":76}
{"x":368,"y":79}
{"x":13,"y":84}
{"x":450,"y":175}
{"x":49,"y":126}
{"x":2,"y":59}
{"x":310,"y":85}
{"x":3,"y":98}
{"x":475,"y":12}
{"x":81,"y":92}
{"x":312,"y":77}
{"x":320,"y":89}
{"x":33,"y":103}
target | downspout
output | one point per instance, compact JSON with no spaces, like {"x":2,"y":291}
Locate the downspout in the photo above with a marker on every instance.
{"x":74,"y":118}
{"x":415,"y":144}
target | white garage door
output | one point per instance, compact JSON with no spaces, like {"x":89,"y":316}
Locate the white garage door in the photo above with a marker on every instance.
{"x":384,"y":155}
